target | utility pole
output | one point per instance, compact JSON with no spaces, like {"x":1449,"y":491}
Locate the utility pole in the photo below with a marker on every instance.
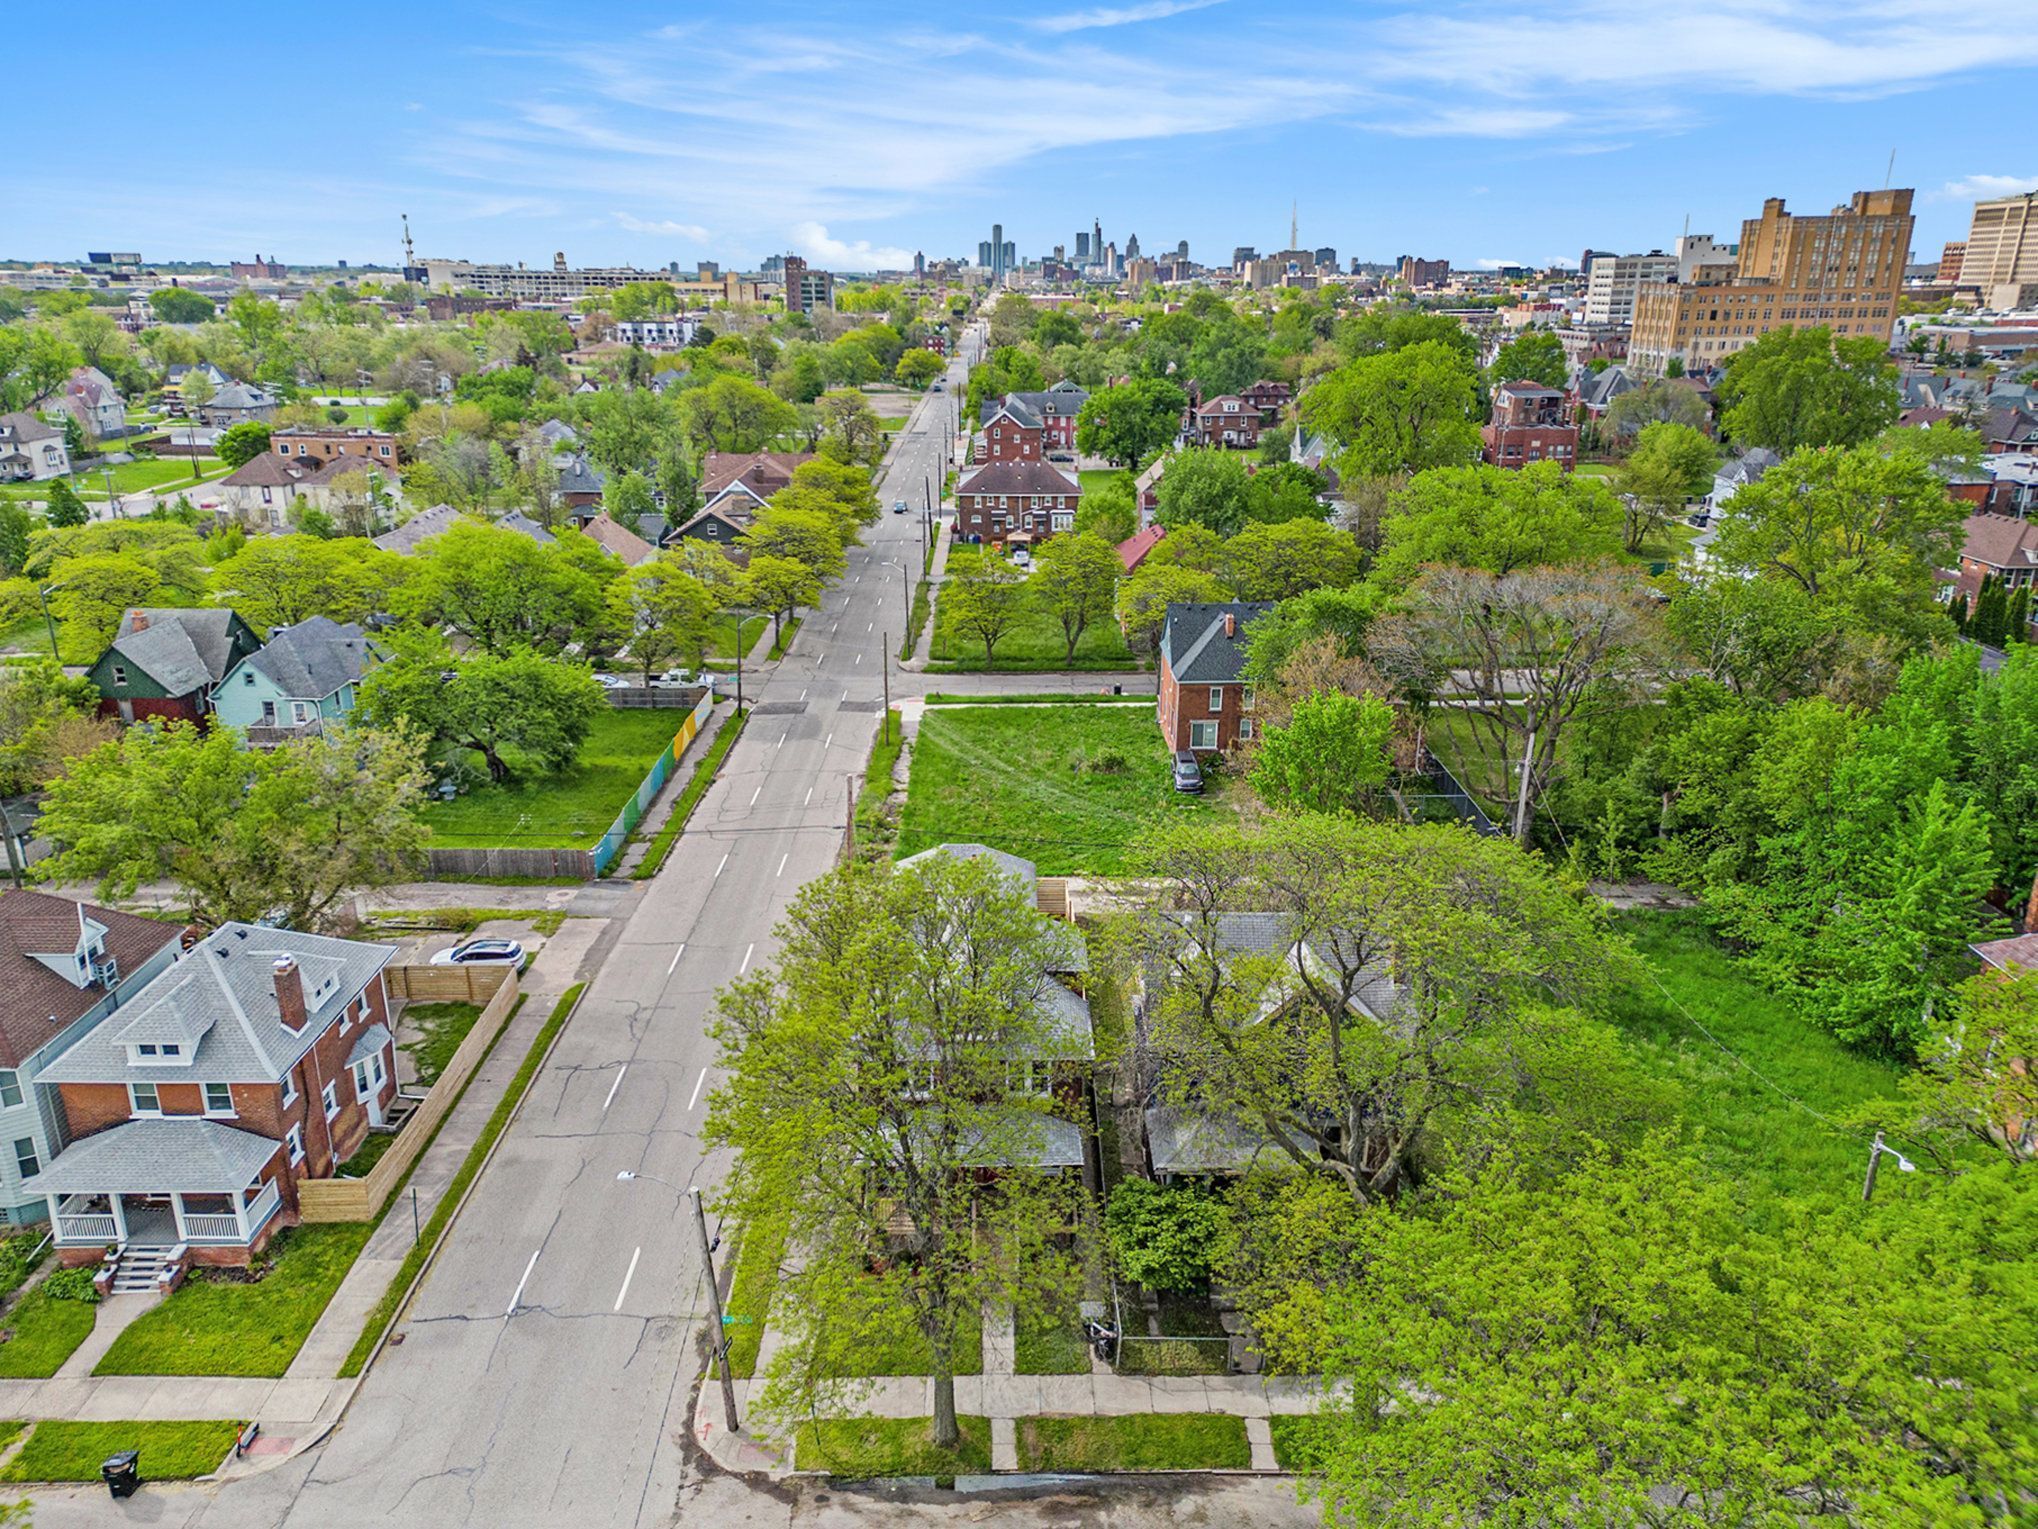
{"x":721,"y":1333}
{"x":1528,"y":756}
{"x":737,"y":612}
{"x":13,"y":852}
{"x":886,"y":714}
{"x":1876,"y":1151}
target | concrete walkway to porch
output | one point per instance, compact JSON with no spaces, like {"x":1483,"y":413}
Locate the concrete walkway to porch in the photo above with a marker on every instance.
{"x":111,"y":1319}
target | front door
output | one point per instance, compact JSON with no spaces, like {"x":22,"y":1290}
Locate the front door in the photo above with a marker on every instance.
{"x":369,"y":1077}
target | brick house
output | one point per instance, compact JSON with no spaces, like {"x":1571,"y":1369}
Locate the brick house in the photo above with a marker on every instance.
{"x":2000,"y":545}
{"x":1205,"y":703}
{"x":1530,"y":424}
{"x":64,"y":967}
{"x":300,"y":444}
{"x":1269,"y":397}
{"x":1228,"y":420}
{"x":1053,"y":412}
{"x":764,"y":473}
{"x":1011,"y":433}
{"x":1018,"y":502}
{"x":166,"y":663}
{"x":259,"y":1059}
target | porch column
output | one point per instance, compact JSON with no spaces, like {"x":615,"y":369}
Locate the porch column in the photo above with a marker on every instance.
{"x":177,"y":1212}
{"x":241,"y":1211}
{"x":55,"y":1203}
{"x":119,"y":1220}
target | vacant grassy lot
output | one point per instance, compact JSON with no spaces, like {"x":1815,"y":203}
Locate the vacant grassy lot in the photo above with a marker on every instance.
{"x":224,"y":1327}
{"x":572,"y":809}
{"x":73,"y":1451}
{"x":153,"y":472}
{"x":1035,"y":643}
{"x":441,"y":1027}
{"x":1095,"y":478}
{"x":41,"y":1333}
{"x":1746,"y":1129}
{"x":1066,"y":786}
{"x":864,"y":1447}
{"x":1138,"y":1441}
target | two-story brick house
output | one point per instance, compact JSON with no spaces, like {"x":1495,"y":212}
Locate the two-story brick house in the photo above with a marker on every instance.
{"x":1053,"y":412}
{"x":1205,"y":703}
{"x":303,"y":443}
{"x":261,"y":1058}
{"x":1011,"y":433}
{"x":1531,"y":423}
{"x":1228,"y":421}
{"x":1019,"y":502}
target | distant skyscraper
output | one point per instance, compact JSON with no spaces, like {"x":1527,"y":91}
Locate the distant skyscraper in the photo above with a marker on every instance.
{"x":1000,"y":258}
{"x":1008,"y":257}
{"x":1326,"y":259}
{"x":984,"y":253}
{"x":1242,"y":254}
{"x":1082,"y":246}
{"x":1132,"y":246}
{"x":1182,"y":250}
{"x":1097,"y":239}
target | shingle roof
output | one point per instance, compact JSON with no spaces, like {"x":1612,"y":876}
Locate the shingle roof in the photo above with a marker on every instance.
{"x":1013,"y":407}
{"x":619,"y":539}
{"x":36,"y":1003}
{"x":222,"y":996}
{"x":1133,"y":550}
{"x":313,"y":659}
{"x":240,"y":395}
{"x":26,"y":427}
{"x":1018,"y":868}
{"x":371,"y":1040}
{"x":419,"y":528}
{"x":577,"y":477}
{"x":2001,"y":541}
{"x":180,"y":649}
{"x":767,"y":471}
{"x":1194,"y":645}
{"x":1025,"y":477}
{"x":163,"y":1156}
{"x":523,"y":525}
{"x":1181,"y":1139}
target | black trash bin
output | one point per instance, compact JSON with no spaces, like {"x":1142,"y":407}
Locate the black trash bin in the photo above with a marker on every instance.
{"x":1118,"y":690}
{"x":122,"y":1472}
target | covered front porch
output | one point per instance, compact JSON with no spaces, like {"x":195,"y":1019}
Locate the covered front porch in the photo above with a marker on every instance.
{"x":162,"y":1184}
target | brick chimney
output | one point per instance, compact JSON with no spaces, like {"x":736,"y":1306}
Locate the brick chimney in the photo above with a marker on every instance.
{"x":290,"y":994}
{"x":1231,"y":623}
{"x":137,"y":621}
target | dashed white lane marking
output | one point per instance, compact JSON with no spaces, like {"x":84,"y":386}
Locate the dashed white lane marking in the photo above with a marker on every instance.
{"x":628,"y":1275}
{"x":782,"y":859}
{"x":756,"y":794}
{"x":697,"y":1082}
{"x":748,"y":951}
{"x":808,"y":797}
{"x":615,"y":1085}
{"x":723,"y":866}
{"x":517,"y":1299}
{"x":678,"y":953}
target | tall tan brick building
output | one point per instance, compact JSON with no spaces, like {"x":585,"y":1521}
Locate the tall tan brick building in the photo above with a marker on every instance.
{"x":1842,"y":270}
{"x":2002,"y":249}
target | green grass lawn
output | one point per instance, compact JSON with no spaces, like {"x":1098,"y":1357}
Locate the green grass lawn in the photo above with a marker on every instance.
{"x":1050,"y":1344}
{"x":223,"y":1327}
{"x":441,"y":1028}
{"x":784,"y":639}
{"x":757,"y":1262}
{"x":63,"y":1450}
{"x":1667,"y":545}
{"x":863,"y":1447}
{"x":1035,"y":643}
{"x":571,"y":809}
{"x":370,"y":1152}
{"x":1094,"y":478}
{"x":41,"y":1333}
{"x":903,"y":1351}
{"x":29,"y":636}
{"x":153,"y":472}
{"x":1136,"y":1441}
{"x":1753,"y":1136}
{"x":357,"y":413}
{"x":1008,"y":777}
{"x":1300,"y":1440}
{"x":877,"y":775}
{"x":718,"y":648}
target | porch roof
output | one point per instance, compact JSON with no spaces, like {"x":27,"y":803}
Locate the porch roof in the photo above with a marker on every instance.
{"x":157,"y":1157}
{"x":372,"y":1040}
{"x":1183,"y":1139}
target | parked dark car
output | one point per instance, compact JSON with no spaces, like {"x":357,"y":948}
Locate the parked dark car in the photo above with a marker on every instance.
{"x":1188,"y":773}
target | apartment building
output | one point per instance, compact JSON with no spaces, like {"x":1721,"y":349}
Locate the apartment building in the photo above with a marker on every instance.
{"x":1613,"y":281}
{"x":1842,"y":270}
{"x":2001,"y":256}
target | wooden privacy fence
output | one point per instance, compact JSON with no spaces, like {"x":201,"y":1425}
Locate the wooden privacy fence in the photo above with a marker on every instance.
{"x":362,"y":1199}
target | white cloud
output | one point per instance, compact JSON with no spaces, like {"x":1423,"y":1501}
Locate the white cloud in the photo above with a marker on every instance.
{"x":1980,"y":188}
{"x":689,"y":231}
{"x":1118,"y":16}
{"x":817,"y":244}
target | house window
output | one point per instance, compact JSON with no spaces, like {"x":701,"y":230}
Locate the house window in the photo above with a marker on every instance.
{"x":171,"y":1048}
{"x":1245,"y":729}
{"x":1202,"y":735}
{"x":142,"y":1100}
{"x":219,"y":1099}
{"x":1032,"y":1077}
{"x":10,"y":1089}
{"x":330,"y":1097}
{"x":919,"y":1080}
{"x":119,"y":675}
{"x":25,"y":1158}
{"x":289,"y":1089}
{"x":1217,"y":698}
{"x":295,"y":1137}
{"x":247,"y":677}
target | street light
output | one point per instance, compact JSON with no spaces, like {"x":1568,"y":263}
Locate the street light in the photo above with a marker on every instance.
{"x":1876,"y":1152}
{"x":720,"y":1342}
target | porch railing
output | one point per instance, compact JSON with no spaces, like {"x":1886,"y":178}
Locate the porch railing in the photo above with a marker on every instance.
{"x":208,"y":1227}
{"x":86,"y":1226}
{"x":265,"y":1205}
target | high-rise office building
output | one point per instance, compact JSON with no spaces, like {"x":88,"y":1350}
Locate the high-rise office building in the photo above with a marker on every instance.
{"x":1841,"y":270}
{"x":1097,"y":239}
{"x":1132,"y":246}
{"x":1182,"y":250}
{"x":1326,"y":259}
{"x":1082,"y":245}
{"x":2001,"y":257}
{"x":1613,"y":280}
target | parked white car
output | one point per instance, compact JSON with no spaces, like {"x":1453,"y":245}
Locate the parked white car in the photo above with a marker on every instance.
{"x":611,"y":682}
{"x":482,"y":953}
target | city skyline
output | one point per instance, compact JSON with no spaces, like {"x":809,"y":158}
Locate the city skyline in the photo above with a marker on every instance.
{"x":506,"y":137}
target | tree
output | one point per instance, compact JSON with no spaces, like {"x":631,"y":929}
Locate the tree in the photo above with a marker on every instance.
{"x":1332,"y":756}
{"x":1286,"y":491}
{"x":850,"y":432}
{"x":1670,"y":464}
{"x":661,"y":611}
{"x":1144,"y":598}
{"x":1344,"y":1071}
{"x":1534,"y":355}
{"x":918,"y":367}
{"x":64,"y":507}
{"x":1378,"y":330}
{"x":983,"y":598}
{"x":849,"y":488}
{"x":15,"y":526}
{"x":1162,"y":1236}
{"x":180,"y":305}
{"x":780,"y":585}
{"x":732,"y":414}
{"x":281,"y":580}
{"x":1130,"y":421}
{"x":1206,"y":487}
{"x":1289,"y":557}
{"x":1658,"y":399}
{"x":500,"y":589}
{"x":1803,"y":387}
{"x":1971,"y":1087}
{"x":1398,"y":411}
{"x":1762,"y":638}
{"x":1688,"y":1368}
{"x":869,"y":1078}
{"x":247,"y":834}
{"x":812,"y":537}
{"x":1110,"y":511}
{"x":539,"y":707}
{"x":1517,"y":655}
{"x":1496,"y":519}
{"x":627,"y":498}
{"x":1075,"y":581}
{"x":92,"y":594}
{"x":195,"y":392}
{"x":46,"y":720}
{"x":240,"y":444}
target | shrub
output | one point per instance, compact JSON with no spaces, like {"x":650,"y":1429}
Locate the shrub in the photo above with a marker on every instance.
{"x":72,"y":1285}
{"x":1105,"y":761}
{"x":1162,"y":1236}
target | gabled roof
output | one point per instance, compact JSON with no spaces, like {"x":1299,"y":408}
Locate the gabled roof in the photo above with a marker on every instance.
{"x":37,"y":1003}
{"x":1521,"y":388}
{"x":1195,"y":647}
{"x":523,"y":525}
{"x":619,"y":539}
{"x":180,"y":649}
{"x":2000,"y":541}
{"x":223,"y":994}
{"x":419,"y":528}
{"x":765,"y":471}
{"x":240,"y":395}
{"x":557,"y":432}
{"x":1010,"y":407}
{"x":1023,"y":477}
{"x":576,"y":476}
{"x":1133,"y":550}
{"x":313,"y":659}
{"x":25,"y":428}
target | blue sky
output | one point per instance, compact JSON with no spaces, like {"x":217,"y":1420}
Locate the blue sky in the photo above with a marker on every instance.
{"x":856,"y":134}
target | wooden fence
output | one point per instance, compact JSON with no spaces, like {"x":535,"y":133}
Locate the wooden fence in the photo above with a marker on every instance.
{"x":541,"y":864}
{"x":363,"y":1199}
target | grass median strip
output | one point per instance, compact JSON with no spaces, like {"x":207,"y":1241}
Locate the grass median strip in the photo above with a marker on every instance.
{"x":916,"y":619}
{"x":863,"y":1447}
{"x":690,"y":798}
{"x":66,"y":1450}
{"x":1302,"y":1441}
{"x":784,"y":639}
{"x":386,"y":1308}
{"x":1137,"y":1441}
